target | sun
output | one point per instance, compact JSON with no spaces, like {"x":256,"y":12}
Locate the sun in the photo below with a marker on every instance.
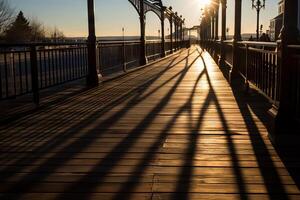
{"x":204,"y":3}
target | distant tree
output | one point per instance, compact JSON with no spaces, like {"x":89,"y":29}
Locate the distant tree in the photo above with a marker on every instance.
{"x":56,"y":35}
{"x":6,"y":14}
{"x":19,"y":30}
{"x":38,"y":32}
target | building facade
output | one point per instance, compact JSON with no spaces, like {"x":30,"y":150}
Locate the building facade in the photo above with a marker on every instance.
{"x":276,"y":23}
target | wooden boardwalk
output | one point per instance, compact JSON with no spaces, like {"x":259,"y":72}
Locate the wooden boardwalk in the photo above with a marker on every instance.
{"x":173,"y":130}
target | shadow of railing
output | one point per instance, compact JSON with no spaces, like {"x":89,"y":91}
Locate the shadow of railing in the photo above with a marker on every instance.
{"x":78,"y":145}
{"x":186,"y":174}
{"x":260,"y":106}
{"x":75,"y":134}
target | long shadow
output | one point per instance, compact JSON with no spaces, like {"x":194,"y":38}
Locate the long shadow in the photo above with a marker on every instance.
{"x":171,"y":64}
{"x":69,"y":118}
{"x":185,"y":177}
{"x":126,"y":191}
{"x":269,"y":173}
{"x":289,"y":155}
{"x":88,"y":106}
{"x":123,"y":147}
{"x":77,"y":144}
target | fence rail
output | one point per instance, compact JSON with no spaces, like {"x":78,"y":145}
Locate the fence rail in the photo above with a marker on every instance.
{"x":28,"y":68}
{"x":259,"y":64}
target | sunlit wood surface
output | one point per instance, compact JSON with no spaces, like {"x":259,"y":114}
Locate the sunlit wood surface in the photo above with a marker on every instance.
{"x":173,"y":130}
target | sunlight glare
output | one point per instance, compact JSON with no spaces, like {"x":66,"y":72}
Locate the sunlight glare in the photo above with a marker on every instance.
{"x":204,"y":3}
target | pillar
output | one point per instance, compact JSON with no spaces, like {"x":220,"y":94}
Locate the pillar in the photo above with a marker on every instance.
{"x":143,"y":56}
{"x":286,"y":128}
{"x":223,"y":33}
{"x":92,"y":75}
{"x":213,"y":25}
{"x":171,"y":31}
{"x":236,"y":38}
{"x":163,"y":50}
{"x":217,"y":22}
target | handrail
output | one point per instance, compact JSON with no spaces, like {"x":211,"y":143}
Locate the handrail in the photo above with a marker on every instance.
{"x":30,"y":67}
{"x":40,"y":44}
{"x":257,"y":63}
{"x":294,"y":46}
{"x":255,"y":43}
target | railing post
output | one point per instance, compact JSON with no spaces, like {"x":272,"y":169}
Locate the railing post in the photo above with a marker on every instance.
{"x":34,"y":75}
{"x":286,"y":128}
{"x":246,"y":68}
{"x":237,"y":37}
{"x":92,"y":76}
{"x":124,"y":56}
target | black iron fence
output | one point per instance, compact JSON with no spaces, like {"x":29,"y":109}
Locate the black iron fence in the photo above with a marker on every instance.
{"x":257,"y":63}
{"x":28,"y":68}
{"x":117,"y":56}
{"x":260,"y":65}
{"x":23,"y":67}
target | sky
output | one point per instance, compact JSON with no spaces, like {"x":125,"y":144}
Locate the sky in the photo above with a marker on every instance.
{"x":70,"y":16}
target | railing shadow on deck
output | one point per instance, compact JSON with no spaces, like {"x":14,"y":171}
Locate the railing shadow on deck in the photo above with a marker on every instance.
{"x":247,"y":102}
{"x":96,"y":175}
{"x":77,"y":144}
{"x":289,"y":155}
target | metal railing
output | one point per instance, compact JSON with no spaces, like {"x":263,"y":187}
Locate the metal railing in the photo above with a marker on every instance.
{"x":117,"y":56}
{"x":25,"y":68}
{"x":29,"y":68}
{"x":257,"y":63}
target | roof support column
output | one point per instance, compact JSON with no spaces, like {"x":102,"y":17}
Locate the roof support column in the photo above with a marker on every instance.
{"x":217,"y":21}
{"x":223,"y":33}
{"x":237,"y":37}
{"x":286,"y":129}
{"x":163,"y":50}
{"x":143,"y":57}
{"x":213,"y":25}
{"x":92,"y":75}
{"x":171,"y":33}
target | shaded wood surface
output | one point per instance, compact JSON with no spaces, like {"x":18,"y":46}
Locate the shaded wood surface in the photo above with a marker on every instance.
{"x":173,"y":130}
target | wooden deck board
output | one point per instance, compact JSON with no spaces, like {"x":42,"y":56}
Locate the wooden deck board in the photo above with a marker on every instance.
{"x":173,"y":130}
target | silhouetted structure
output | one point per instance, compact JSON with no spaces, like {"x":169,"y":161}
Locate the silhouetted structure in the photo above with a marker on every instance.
{"x":274,"y":73}
{"x":173,"y":129}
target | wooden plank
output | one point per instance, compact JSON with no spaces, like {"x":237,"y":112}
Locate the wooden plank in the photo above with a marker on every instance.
{"x":172,"y":130}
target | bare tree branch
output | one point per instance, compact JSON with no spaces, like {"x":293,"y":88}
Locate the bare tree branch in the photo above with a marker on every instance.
{"x":6,"y":14}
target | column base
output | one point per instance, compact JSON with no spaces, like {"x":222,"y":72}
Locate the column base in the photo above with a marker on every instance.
{"x":284,"y":131}
{"x":143,"y":61}
{"x":92,"y":81}
{"x":233,"y":75}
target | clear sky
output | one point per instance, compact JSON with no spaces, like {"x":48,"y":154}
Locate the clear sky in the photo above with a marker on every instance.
{"x":70,"y":16}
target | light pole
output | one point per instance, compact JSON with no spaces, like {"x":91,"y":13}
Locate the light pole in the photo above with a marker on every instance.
{"x":158,"y":34}
{"x":258,"y":5}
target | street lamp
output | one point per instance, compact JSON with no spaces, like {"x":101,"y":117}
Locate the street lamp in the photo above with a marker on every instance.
{"x":258,"y":5}
{"x":158,"y":34}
